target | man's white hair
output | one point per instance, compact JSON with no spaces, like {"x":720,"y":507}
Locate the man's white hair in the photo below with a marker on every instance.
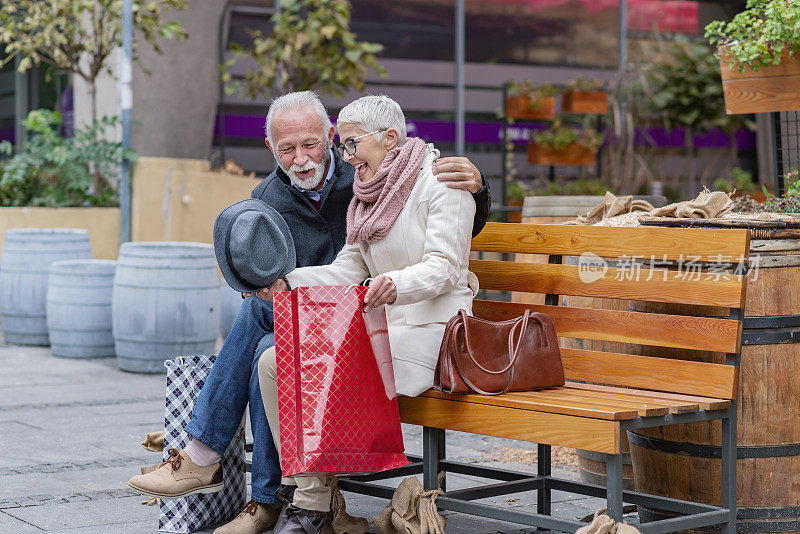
{"x":294,"y":101}
{"x":375,"y":112}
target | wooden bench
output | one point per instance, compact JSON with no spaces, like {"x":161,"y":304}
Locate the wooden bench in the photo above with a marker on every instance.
{"x":606,"y":393}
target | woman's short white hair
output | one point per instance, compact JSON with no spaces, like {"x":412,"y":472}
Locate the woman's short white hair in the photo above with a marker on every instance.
{"x":375,"y":112}
{"x":298,"y":100}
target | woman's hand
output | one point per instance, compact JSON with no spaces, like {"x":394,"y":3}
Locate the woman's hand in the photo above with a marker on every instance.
{"x":381,"y":291}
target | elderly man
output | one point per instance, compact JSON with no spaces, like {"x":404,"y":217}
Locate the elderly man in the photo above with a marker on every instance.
{"x":311,"y":189}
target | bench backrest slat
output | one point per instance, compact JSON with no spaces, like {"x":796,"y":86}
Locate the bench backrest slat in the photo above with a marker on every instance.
{"x":654,"y":329}
{"x":645,"y":372}
{"x":610,"y":242}
{"x":682,"y":285}
{"x":662,"y":286}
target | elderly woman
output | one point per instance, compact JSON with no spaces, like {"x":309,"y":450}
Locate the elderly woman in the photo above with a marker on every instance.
{"x":411,"y":234}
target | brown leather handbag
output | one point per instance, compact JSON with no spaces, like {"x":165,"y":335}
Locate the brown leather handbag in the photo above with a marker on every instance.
{"x":490,"y":358}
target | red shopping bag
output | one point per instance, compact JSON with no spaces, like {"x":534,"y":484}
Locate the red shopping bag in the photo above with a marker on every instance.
{"x":337,"y":402}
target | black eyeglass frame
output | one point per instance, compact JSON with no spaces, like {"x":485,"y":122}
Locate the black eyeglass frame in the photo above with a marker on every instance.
{"x":349,"y":145}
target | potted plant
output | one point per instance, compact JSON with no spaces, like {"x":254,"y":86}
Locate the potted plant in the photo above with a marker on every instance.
{"x":759,"y":55}
{"x":584,"y":95}
{"x":515,"y":192}
{"x":564,"y":145}
{"x":532,"y":101}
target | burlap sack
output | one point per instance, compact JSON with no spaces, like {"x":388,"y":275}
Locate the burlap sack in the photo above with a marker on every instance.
{"x":154,"y":441}
{"x":706,"y":206}
{"x":611,"y":206}
{"x":344,"y":523}
{"x":412,"y":510}
{"x":602,"y":524}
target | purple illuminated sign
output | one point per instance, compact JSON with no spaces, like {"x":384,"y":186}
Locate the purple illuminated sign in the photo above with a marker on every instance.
{"x":492,"y":132}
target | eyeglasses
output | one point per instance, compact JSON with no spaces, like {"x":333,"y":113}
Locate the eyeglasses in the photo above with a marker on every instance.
{"x":349,"y":145}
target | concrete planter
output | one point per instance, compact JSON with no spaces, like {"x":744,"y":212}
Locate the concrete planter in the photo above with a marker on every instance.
{"x":178,"y":199}
{"x":102,"y":224}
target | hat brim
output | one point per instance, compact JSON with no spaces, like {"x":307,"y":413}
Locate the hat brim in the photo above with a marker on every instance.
{"x":221,"y":226}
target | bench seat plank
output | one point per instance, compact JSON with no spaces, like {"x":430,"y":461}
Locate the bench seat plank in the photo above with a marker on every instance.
{"x":587,"y":433}
{"x":704,"y":403}
{"x":665,"y":286}
{"x":611,"y":405}
{"x":654,"y":329}
{"x":674,"y":406}
{"x":567,"y":397}
{"x":610,"y":242}
{"x":545,"y":402}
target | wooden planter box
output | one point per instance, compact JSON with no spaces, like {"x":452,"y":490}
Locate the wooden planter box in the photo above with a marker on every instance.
{"x":515,"y":216}
{"x":519,"y":107}
{"x":772,"y":88}
{"x":574,"y":154}
{"x":594,"y":102}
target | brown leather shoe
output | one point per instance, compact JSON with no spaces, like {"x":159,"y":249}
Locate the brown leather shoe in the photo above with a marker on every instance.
{"x":179,"y":476}
{"x":295,"y":520}
{"x":255,"y":518}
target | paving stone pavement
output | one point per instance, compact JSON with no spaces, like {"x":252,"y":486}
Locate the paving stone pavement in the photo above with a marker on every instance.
{"x":69,"y":440}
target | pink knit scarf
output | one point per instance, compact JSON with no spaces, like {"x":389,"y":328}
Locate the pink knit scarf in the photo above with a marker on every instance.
{"x":378,"y":201}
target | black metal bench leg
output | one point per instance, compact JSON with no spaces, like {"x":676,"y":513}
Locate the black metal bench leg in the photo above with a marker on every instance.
{"x":433,"y":452}
{"x":729,"y":470}
{"x":544,"y":469}
{"x":614,"y":486}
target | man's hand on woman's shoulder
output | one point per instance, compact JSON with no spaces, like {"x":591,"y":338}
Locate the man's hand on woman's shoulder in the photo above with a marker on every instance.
{"x":459,"y":173}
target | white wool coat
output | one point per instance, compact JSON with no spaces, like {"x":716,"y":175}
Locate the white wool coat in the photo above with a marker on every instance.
{"x":426,"y":254}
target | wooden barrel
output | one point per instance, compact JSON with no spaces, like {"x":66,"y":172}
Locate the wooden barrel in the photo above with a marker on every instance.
{"x":683,"y":461}
{"x":79,"y":308}
{"x":24,"y":274}
{"x":231,"y":302}
{"x":592,"y":466}
{"x":165,"y":303}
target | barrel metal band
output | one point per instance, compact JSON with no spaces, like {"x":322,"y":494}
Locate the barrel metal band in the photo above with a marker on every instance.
{"x":712,"y":451}
{"x":742,"y":515}
{"x":771,"y":329}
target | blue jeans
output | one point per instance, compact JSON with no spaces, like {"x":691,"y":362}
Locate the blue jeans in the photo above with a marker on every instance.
{"x":231,"y":384}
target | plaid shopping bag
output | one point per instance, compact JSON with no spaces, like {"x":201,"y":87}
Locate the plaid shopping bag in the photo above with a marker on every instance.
{"x":185,"y":378}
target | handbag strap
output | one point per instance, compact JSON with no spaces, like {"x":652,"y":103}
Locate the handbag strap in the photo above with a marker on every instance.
{"x":512,"y":347}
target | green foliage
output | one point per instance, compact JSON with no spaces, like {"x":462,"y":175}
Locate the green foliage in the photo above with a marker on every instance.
{"x":686,"y":88}
{"x":584,"y":84}
{"x":791,"y":181}
{"x":534,"y":91}
{"x":560,"y":137}
{"x":60,"y":33}
{"x":673,"y":194}
{"x":311,"y":47}
{"x":758,"y":35}
{"x":581,"y":186}
{"x":516,"y":190}
{"x":54,"y":171}
{"x":741,"y":181}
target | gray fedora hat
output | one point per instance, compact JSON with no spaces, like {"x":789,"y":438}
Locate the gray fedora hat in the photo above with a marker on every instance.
{"x":253,"y":245}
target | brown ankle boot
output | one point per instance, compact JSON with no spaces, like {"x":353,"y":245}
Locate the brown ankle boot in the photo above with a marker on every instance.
{"x":255,"y":518}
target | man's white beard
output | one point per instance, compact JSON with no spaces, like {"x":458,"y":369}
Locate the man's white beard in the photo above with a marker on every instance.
{"x":314,"y":181}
